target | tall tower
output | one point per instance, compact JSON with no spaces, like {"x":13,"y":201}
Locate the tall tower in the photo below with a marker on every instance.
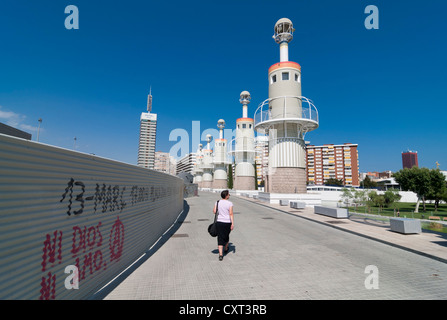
{"x":207,"y":164}
{"x":148,"y":131}
{"x":409,"y":159}
{"x":286,"y":116}
{"x":244,"y":152}
{"x":198,"y":171}
{"x":220,"y":159}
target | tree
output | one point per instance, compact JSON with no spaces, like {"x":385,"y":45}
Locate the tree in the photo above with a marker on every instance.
{"x":333,"y":182}
{"x":346,"y":196}
{"x":230,"y":177}
{"x":376,"y":200}
{"x":368,"y":183}
{"x":391,"y":196}
{"x":256,"y":177}
{"x":438,"y":187}
{"x":416,"y":180}
{"x":355,"y":196}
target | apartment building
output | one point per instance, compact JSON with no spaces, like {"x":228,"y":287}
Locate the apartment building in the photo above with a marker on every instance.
{"x":164,"y":162}
{"x":332,"y":161}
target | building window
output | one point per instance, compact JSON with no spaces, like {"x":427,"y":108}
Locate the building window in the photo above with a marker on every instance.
{"x":244,"y":125}
{"x":274,"y":78}
{"x":285,"y":76}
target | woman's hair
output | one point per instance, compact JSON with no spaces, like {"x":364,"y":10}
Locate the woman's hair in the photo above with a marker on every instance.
{"x":224,"y":194}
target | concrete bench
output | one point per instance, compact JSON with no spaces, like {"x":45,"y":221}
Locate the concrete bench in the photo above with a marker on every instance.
{"x":297,"y":204}
{"x":405,"y":225}
{"x":283,"y":202}
{"x":339,"y":213}
{"x":434,"y":218}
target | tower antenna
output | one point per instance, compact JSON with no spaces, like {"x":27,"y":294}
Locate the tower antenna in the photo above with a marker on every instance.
{"x":149,"y":100}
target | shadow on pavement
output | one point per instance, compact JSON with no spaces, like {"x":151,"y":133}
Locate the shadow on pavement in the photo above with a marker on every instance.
{"x":102,"y":293}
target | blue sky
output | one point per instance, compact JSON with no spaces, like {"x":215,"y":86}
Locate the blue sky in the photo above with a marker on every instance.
{"x":382,"y":89}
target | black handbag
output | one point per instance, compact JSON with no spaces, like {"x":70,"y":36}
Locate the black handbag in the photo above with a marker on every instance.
{"x":212,"y":228}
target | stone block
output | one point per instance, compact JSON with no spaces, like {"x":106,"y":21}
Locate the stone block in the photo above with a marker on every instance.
{"x":339,"y":213}
{"x":297,"y":204}
{"x":405,"y":225}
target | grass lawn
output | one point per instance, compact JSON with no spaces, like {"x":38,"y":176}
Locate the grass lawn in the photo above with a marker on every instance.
{"x":406,"y":209}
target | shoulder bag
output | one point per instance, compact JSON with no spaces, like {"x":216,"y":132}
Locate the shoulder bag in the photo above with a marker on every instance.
{"x":212,"y":228}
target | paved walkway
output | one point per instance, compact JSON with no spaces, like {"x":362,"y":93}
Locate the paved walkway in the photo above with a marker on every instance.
{"x":282,"y":253}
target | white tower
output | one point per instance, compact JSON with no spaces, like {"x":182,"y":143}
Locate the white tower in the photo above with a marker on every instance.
{"x":220,"y":159}
{"x":198,"y":171}
{"x":286,"y":116}
{"x":207,"y":164}
{"x":244,"y":150}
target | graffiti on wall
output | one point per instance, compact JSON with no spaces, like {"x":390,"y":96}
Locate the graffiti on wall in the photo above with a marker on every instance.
{"x":93,"y":249}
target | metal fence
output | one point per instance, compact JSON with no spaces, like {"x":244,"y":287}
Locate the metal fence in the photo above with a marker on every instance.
{"x":63,"y":209}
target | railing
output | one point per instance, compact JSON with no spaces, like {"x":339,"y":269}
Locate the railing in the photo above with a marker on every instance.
{"x":308,"y":110}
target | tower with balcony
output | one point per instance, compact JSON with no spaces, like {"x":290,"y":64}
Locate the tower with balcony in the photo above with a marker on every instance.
{"x":286,"y":116}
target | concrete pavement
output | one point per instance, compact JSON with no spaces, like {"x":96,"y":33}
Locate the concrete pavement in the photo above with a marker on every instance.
{"x":281,"y":253}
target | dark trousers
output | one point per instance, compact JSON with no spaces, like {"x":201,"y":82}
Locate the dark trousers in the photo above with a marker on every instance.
{"x":223,"y":233}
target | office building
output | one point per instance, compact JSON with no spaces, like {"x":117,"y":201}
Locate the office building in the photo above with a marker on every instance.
{"x":333,"y":161}
{"x":409,"y":159}
{"x":148,"y":132}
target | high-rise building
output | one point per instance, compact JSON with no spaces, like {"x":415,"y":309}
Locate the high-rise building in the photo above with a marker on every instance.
{"x":409,"y":159}
{"x":262,"y":157}
{"x":333,"y":161}
{"x":164,"y":162}
{"x":148,"y":131}
{"x":186,"y":164}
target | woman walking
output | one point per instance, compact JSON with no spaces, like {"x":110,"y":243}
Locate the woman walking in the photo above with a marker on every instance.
{"x":225,"y":222}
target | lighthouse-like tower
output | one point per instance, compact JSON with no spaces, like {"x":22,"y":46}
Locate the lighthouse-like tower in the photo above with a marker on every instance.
{"x":286,"y":116}
{"x":207,"y":164}
{"x":244,"y":151}
{"x":220,"y":159}
{"x":198,"y":171}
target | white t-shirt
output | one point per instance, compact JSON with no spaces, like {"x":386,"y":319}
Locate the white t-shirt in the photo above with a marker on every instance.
{"x":223,"y":209}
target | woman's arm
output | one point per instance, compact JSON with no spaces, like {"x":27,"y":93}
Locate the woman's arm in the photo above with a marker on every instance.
{"x":232,"y":218}
{"x":214,"y":210}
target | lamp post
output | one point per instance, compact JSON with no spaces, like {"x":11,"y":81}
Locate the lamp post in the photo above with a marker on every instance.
{"x":38,"y":129}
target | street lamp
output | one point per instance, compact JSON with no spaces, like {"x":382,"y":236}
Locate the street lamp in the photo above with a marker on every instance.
{"x":38,"y":129}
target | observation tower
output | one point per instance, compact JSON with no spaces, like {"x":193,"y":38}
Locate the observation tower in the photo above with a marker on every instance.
{"x":220,"y":159}
{"x":244,"y":150}
{"x":207,"y":164}
{"x":286,"y":116}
